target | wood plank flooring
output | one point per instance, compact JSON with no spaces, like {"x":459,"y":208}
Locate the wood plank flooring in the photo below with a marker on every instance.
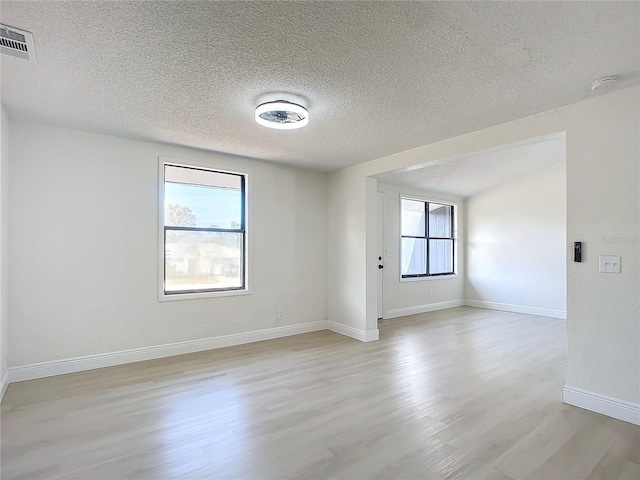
{"x":462,"y":393}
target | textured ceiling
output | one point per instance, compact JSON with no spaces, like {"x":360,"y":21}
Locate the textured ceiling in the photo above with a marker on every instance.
{"x":464,"y":176}
{"x":377,"y":77}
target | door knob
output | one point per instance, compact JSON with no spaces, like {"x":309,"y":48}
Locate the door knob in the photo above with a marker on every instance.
{"x":380,"y":267}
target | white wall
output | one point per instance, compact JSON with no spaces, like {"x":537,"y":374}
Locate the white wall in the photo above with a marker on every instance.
{"x":424,"y":294}
{"x":346,"y":285}
{"x":602,"y":202}
{"x":84,"y":258}
{"x":516,"y":244}
{"x":4,"y":246}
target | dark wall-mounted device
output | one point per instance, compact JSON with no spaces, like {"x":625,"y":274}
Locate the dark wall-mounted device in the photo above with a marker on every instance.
{"x":577,"y":251}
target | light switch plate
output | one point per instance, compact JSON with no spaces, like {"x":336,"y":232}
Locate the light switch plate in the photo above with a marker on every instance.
{"x":609,"y":264}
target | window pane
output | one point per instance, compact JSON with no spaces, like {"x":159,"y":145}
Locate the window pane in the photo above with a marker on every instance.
{"x":197,"y":198}
{"x":439,"y":220}
{"x":440,"y":256}
{"x":414,"y":260}
{"x":203,"y":260}
{"x":413,"y":218}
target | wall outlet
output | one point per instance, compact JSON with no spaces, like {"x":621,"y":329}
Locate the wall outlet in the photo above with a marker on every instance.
{"x":280,"y":315}
{"x":428,"y":293}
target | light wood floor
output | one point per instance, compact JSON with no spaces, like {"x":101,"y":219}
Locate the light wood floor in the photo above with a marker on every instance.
{"x":460,"y":393}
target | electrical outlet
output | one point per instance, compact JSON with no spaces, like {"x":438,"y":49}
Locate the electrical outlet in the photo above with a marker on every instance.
{"x":280,"y":315}
{"x":428,"y":293}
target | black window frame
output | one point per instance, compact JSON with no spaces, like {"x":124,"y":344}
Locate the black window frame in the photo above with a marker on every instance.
{"x":427,"y":238}
{"x":242,"y":230}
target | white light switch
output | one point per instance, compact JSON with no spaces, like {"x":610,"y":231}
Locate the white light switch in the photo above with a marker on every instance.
{"x":389,"y":253}
{"x":609,"y":264}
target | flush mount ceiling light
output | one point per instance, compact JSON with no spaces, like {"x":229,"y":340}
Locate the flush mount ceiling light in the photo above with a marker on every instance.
{"x":607,"y":81}
{"x":282,"y":114}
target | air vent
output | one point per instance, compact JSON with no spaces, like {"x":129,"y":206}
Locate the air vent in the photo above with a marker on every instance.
{"x":17,"y":43}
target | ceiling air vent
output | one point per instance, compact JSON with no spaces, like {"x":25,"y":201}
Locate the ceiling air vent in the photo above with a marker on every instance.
{"x":17,"y":43}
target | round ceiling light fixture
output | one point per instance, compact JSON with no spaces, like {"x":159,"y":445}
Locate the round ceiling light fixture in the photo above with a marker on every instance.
{"x":601,"y":82}
{"x":282,"y":114}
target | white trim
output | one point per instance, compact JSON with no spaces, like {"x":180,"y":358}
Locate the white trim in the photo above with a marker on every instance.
{"x":431,"y":198}
{"x":429,"y":307}
{"x":346,"y":330}
{"x":382,"y":253}
{"x":163,"y":297}
{"x":4,"y":384}
{"x":430,"y":278}
{"x":595,"y":402}
{"x":101,"y":360}
{"x":507,"y":307}
{"x":372,"y":335}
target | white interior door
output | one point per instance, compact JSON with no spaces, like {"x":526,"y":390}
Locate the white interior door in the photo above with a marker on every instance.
{"x":380,"y":253}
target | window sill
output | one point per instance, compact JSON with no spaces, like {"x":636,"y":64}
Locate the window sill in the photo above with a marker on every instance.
{"x":428,"y":279}
{"x":199,"y":296}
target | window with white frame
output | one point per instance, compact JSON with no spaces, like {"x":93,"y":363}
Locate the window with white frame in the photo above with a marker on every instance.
{"x":204,"y":230}
{"x":428,"y":238}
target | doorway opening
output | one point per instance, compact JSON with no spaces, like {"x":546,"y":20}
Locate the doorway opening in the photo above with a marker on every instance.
{"x":510,"y":204}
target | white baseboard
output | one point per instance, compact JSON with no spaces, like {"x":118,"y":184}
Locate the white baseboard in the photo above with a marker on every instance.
{"x":507,"y":307}
{"x":90,"y":362}
{"x":372,"y":335}
{"x":346,"y":330}
{"x":611,"y":407}
{"x":429,"y":307}
{"x":4,"y":383}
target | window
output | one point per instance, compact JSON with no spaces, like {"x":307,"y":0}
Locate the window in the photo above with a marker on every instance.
{"x":428,"y":235}
{"x":204,"y":232}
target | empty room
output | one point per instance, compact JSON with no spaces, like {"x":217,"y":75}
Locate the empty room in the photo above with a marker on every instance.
{"x":320,"y":239}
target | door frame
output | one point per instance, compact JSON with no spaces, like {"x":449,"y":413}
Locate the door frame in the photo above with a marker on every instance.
{"x":380,"y":233}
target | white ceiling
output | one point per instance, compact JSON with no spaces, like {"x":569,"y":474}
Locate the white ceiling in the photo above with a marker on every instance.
{"x":468,"y":175}
{"x":377,"y":77}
